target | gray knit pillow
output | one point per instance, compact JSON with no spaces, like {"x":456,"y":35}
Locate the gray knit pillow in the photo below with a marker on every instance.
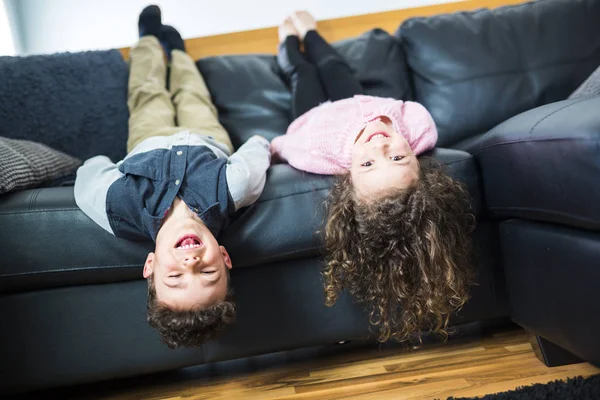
{"x":590,"y":87}
{"x":25,"y":164}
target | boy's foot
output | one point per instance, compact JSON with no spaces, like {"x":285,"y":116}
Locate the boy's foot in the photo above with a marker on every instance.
{"x":286,"y":29}
{"x":304,"y":22}
{"x":171,"y":40}
{"x":149,"y":22}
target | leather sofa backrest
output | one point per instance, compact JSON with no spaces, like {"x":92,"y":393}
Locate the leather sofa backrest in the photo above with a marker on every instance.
{"x":473,"y":70}
{"x":253,"y":99}
{"x":77,"y":103}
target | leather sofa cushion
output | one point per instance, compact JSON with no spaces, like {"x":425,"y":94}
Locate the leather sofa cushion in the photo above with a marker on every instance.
{"x":252,"y":97}
{"x":474,"y":70}
{"x":551,"y":277}
{"x":544,"y":164}
{"x":45,"y":224}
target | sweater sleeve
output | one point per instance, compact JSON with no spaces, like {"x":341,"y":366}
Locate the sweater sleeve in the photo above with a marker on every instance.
{"x":308,"y":143}
{"x":291,"y":145}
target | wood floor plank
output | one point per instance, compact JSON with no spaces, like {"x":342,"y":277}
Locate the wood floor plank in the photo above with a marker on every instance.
{"x":419,"y":391}
{"x":476,"y":366}
{"x":402,"y":379}
{"x":384,"y":363}
{"x":519,"y":347}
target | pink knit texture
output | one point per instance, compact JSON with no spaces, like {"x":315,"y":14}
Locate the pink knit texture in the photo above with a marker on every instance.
{"x":320,"y":141}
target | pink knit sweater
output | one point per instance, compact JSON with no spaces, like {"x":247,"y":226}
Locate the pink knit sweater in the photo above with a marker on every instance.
{"x":320,"y":141}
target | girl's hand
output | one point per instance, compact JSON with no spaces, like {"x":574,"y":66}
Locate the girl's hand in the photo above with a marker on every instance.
{"x":275,"y":159}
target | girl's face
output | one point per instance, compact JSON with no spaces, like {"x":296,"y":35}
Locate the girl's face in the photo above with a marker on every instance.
{"x":382,"y":160}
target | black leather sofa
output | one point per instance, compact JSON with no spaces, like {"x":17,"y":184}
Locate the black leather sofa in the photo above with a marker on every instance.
{"x":72,"y":297}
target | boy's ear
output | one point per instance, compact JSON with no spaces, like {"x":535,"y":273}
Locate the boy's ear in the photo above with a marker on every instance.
{"x":149,"y":265}
{"x":226,"y":257}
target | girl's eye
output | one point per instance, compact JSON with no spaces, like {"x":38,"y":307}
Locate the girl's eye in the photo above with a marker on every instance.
{"x":175,"y":276}
{"x":367,"y":164}
{"x":397,"y":158}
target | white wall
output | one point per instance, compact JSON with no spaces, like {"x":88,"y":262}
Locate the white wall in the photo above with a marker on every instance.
{"x":48,"y":26}
{"x":7,"y":44}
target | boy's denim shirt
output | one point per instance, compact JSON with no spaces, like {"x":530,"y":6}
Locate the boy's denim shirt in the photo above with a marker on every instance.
{"x":131,"y":198}
{"x":137,"y":202}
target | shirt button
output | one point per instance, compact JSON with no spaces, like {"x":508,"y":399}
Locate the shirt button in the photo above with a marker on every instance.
{"x":179,"y":152}
{"x":195,"y":209}
{"x":177,"y":182}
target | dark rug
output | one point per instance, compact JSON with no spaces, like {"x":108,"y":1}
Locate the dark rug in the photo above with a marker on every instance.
{"x":578,"y":388}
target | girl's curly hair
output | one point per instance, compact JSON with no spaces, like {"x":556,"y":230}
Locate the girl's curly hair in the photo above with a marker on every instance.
{"x":406,"y":257}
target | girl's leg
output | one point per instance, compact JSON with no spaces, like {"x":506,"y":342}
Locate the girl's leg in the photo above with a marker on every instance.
{"x":195,"y":109}
{"x":338,"y":79}
{"x":305,"y":84}
{"x":334,"y":71}
{"x":151,"y":112}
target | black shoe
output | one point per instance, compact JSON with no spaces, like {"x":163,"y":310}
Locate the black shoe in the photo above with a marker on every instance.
{"x":171,"y":40}
{"x":149,"y":22}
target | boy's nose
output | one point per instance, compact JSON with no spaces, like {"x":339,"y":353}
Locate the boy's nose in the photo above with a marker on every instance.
{"x":191,"y":260}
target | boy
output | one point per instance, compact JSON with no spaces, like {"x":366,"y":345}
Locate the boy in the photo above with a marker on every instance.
{"x":178,"y":185}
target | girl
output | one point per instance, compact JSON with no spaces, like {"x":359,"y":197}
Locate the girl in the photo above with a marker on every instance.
{"x":397,"y":234}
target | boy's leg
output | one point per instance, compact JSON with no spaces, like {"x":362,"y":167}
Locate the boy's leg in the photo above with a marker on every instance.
{"x":336,"y":75}
{"x":305,"y":84}
{"x":195,"y":109}
{"x":151,"y":112}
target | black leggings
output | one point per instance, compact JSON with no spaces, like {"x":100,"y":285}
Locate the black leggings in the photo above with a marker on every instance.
{"x":317,"y":76}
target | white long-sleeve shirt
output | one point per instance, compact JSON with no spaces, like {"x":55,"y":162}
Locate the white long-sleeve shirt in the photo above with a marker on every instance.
{"x":129,"y":198}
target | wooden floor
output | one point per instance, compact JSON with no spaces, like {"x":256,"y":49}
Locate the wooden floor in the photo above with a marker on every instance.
{"x":475,"y":366}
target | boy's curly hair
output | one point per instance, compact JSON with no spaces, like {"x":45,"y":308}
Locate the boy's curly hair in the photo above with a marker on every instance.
{"x":405,"y":256}
{"x":188,"y":328}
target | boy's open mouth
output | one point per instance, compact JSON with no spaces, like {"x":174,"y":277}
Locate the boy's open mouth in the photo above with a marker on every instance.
{"x":188,"y":242}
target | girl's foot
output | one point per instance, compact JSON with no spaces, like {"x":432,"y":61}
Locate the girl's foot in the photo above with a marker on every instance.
{"x":286,"y":29}
{"x":304,"y":22}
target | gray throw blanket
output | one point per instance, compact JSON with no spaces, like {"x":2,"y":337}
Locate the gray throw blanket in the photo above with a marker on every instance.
{"x":590,"y":87}
{"x":72,"y":102}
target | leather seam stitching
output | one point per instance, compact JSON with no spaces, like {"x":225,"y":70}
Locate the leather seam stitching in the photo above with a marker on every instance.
{"x":276,"y":258}
{"x":554,"y":112}
{"x":290,"y":195}
{"x":36,"y":211}
{"x":69,"y":270}
{"x":33,"y":198}
{"x":530,"y":139}
{"x":509,"y":72}
{"x":542,"y":210}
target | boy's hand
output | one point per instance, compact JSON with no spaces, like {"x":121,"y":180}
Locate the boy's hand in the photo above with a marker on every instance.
{"x":262,"y":140}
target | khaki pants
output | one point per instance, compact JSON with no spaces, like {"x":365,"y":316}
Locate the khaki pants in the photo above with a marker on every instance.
{"x":155,"y":112}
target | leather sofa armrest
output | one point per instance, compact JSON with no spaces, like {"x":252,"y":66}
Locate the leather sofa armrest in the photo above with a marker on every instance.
{"x":544,"y":164}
